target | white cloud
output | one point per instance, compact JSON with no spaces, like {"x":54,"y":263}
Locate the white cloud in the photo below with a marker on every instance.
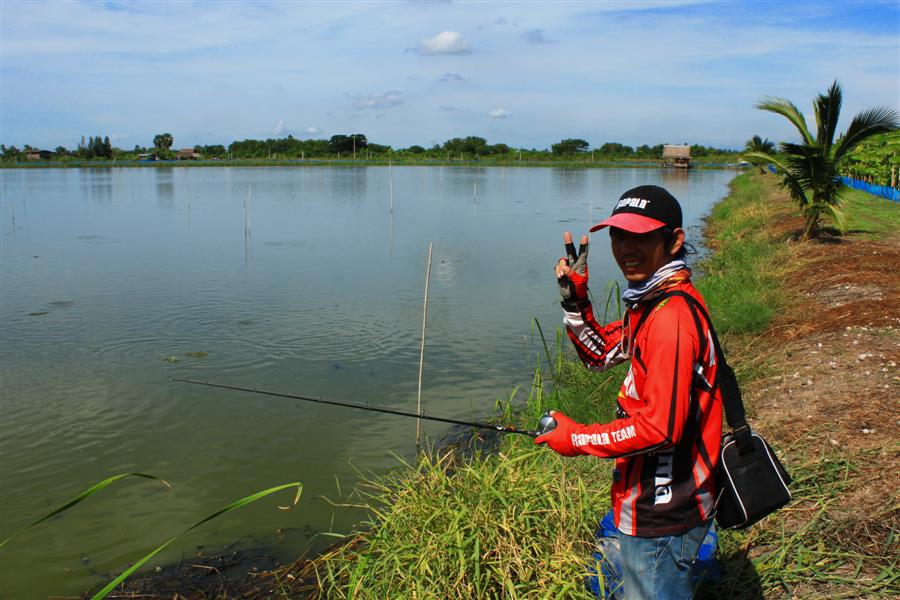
{"x":538,"y":36}
{"x":378,"y":101}
{"x":499,"y":113}
{"x":279,"y":129}
{"x":312,"y":130}
{"x":78,"y":67}
{"x":446,"y":42}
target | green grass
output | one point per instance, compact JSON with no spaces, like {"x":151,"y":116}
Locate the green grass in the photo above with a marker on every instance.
{"x":507,"y":525}
{"x":739,"y":280}
{"x":870,"y":215}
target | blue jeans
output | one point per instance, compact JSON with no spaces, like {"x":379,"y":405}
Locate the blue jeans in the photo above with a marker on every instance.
{"x":659,"y":568}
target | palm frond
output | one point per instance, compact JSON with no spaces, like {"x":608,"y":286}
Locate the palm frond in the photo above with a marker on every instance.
{"x":788,"y":110}
{"x":812,"y":170}
{"x":758,"y":144}
{"x":828,"y":110}
{"x":788,"y":180}
{"x":838,"y":216}
{"x":880,"y":119}
{"x":761,"y":156}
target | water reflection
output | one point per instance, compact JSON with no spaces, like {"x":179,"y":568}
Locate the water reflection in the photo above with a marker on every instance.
{"x":98,"y":185}
{"x":348,"y":184}
{"x":675,"y":177}
{"x":165,"y":188}
{"x":573,"y":181}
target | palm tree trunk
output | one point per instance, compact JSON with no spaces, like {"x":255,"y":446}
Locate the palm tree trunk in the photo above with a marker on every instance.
{"x":811,"y":229}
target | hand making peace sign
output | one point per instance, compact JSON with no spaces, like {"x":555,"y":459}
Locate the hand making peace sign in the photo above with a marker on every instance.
{"x":572,"y":273}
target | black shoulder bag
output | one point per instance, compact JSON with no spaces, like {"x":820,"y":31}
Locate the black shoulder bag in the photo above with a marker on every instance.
{"x":752,"y":481}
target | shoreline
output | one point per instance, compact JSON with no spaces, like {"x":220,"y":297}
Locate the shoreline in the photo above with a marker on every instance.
{"x":573,"y":164}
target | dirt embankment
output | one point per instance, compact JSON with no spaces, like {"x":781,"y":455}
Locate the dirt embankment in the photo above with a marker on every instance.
{"x":833,"y":390}
{"x":837,"y":349}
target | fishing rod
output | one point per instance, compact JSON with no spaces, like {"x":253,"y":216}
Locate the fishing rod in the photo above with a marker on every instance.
{"x":546,"y":423}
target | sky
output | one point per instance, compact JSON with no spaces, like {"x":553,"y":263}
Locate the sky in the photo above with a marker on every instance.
{"x":526,"y":74}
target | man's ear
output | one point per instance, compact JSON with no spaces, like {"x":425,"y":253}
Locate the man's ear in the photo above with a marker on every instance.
{"x":677,"y":241}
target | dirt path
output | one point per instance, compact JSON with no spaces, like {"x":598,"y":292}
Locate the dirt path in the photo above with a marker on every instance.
{"x":834,"y":391}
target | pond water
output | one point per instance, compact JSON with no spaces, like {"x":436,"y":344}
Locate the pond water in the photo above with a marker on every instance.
{"x":290,"y":279}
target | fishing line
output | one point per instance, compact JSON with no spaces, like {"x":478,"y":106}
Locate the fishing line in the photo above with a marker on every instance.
{"x":363,"y":406}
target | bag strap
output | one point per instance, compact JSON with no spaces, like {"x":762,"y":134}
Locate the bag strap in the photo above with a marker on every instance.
{"x":725,"y":378}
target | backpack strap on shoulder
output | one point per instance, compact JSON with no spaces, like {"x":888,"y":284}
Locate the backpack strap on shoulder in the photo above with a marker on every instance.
{"x":725,"y":378}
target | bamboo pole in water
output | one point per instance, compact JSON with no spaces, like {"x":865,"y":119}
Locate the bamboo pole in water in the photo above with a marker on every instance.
{"x":422,"y":351}
{"x":391,"y":183}
{"x":247,"y":209}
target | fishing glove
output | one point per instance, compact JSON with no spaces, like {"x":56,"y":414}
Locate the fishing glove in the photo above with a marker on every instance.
{"x":560,"y":439}
{"x":574,"y":287}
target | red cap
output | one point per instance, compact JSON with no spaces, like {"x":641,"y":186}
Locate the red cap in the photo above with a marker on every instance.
{"x":630,"y":222}
{"x":643,"y":209}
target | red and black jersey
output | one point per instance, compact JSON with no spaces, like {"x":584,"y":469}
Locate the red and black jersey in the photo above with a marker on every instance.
{"x":666,"y":439}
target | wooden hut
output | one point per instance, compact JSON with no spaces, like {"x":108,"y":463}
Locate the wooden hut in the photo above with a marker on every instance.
{"x":35,"y":154}
{"x":187,"y":154}
{"x":678,"y":157}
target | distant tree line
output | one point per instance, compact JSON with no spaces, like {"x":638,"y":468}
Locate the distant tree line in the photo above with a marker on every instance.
{"x":356,"y":145}
{"x":96,"y":147}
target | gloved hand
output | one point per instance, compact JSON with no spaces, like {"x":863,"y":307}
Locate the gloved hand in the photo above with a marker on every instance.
{"x":560,"y":439}
{"x":572,"y":274}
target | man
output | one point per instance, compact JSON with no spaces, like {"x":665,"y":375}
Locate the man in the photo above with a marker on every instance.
{"x":666,"y":437}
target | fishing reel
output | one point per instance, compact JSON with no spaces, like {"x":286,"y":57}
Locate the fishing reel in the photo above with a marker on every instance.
{"x":546,"y":424}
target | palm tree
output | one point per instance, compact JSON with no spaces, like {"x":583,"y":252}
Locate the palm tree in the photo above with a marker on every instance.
{"x":163,"y":141}
{"x":809,"y":170}
{"x":759,"y":146}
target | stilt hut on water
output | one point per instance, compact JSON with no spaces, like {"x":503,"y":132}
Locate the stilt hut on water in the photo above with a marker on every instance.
{"x":678,"y":157}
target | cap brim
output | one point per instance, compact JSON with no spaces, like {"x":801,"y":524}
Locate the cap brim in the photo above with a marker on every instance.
{"x":630,"y":222}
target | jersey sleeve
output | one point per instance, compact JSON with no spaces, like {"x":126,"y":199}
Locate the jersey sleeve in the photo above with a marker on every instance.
{"x":668,"y":351}
{"x":598,"y":346}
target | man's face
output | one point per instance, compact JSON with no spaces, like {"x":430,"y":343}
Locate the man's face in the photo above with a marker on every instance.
{"x":639,"y":255}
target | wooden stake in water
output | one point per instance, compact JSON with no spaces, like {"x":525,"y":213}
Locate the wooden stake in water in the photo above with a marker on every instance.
{"x":422,"y":351}
{"x":391,"y":183}
{"x":247,"y":209}
{"x":474,"y":191}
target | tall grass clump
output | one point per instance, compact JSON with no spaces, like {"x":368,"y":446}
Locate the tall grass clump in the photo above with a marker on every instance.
{"x":514,"y":524}
{"x":517,"y":522}
{"x":739,"y":280}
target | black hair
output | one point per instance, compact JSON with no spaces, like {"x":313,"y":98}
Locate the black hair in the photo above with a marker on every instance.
{"x":668,"y":234}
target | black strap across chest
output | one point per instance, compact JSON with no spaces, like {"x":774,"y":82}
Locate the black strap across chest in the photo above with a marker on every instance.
{"x":725,"y":377}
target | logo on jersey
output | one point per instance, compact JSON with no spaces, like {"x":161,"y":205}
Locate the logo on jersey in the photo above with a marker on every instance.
{"x":662,"y":491}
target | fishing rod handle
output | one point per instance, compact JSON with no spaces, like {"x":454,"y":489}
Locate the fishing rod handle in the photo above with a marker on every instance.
{"x":546,"y":424}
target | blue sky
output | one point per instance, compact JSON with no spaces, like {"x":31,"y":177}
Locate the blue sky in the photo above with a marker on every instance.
{"x":409,"y":72}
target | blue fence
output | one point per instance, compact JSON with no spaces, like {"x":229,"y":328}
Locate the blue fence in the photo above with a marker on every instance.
{"x":879,"y":190}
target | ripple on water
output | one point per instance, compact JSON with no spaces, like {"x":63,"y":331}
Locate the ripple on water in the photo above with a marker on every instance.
{"x":229,"y":341}
{"x":364,"y":337}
